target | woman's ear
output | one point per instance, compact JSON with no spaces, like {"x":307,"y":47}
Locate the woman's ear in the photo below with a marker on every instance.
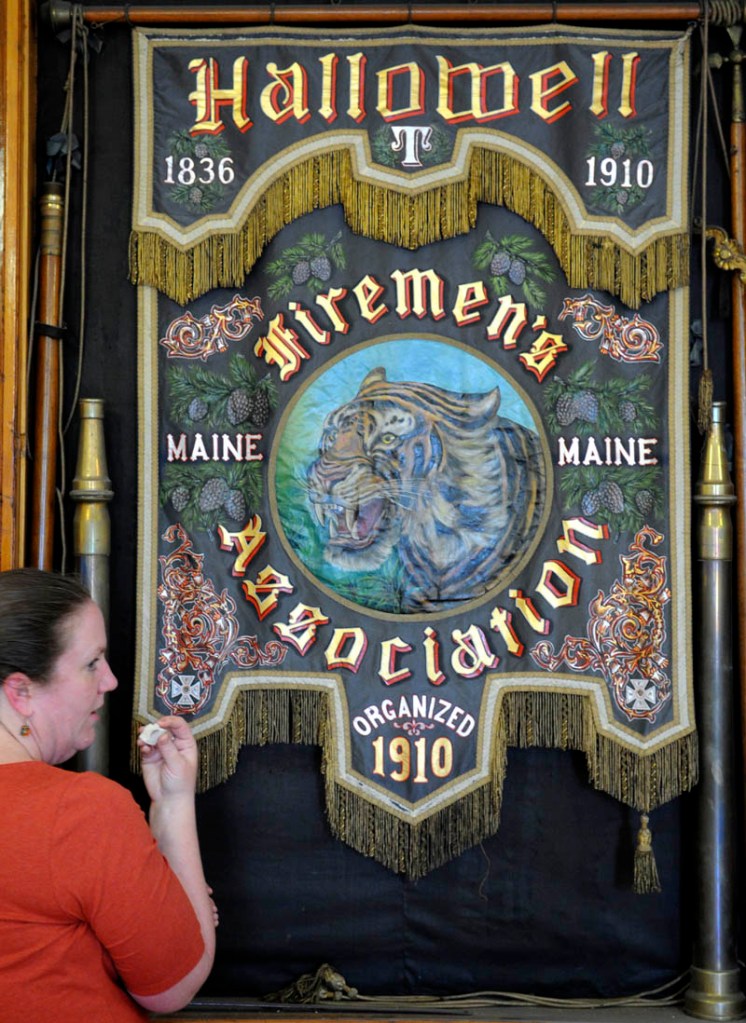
{"x":17,"y":689}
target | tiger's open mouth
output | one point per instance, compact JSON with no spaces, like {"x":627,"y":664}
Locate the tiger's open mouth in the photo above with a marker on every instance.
{"x":352,"y":528}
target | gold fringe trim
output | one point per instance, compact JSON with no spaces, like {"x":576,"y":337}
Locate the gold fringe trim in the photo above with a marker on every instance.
{"x":565,"y":721}
{"x":409,"y":221}
{"x":527,"y":719}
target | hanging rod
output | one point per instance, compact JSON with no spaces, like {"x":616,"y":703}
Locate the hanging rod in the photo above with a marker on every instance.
{"x":59,"y":13}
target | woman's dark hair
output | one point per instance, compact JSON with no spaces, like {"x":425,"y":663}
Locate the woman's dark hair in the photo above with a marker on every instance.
{"x":34,"y":609}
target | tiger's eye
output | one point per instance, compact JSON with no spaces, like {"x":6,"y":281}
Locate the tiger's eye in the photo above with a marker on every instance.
{"x":389,"y":438}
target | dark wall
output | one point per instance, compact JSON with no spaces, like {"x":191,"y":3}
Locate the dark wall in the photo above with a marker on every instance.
{"x":544,"y":906}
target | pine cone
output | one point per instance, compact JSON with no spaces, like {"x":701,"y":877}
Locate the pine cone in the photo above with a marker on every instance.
{"x":611,"y":496}
{"x":237,"y":409}
{"x":618,"y":150}
{"x":565,"y":410}
{"x":259,"y":407}
{"x":179,"y":498}
{"x":627,"y":411}
{"x":213,"y":494}
{"x":500,"y":263}
{"x":197,"y":409}
{"x":586,"y":406}
{"x":590,"y":502}
{"x":235,"y":506}
{"x":517,"y":271}
{"x":321,"y":268}
{"x":645,"y":501}
{"x":301,"y":272}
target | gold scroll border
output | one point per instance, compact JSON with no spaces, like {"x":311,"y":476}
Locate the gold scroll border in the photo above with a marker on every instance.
{"x":522,"y":711}
{"x":417,"y":209}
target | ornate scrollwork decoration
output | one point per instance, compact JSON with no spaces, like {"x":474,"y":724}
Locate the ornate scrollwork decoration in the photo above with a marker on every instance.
{"x":622,"y":338}
{"x":200,"y":630}
{"x":726,"y":252}
{"x":625,"y":634}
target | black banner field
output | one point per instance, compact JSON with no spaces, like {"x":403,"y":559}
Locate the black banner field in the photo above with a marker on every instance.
{"x":414,"y":412}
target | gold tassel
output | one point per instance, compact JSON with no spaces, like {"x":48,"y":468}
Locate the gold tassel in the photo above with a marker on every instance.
{"x":646,"y":878}
{"x":704,"y":401}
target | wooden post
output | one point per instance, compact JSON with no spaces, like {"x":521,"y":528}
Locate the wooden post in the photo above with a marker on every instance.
{"x":60,"y":12}
{"x":49,"y":363}
{"x":17,"y":130}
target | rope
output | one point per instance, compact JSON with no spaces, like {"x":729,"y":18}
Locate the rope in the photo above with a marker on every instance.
{"x":78,"y":42}
{"x":83,"y":30}
{"x":65,"y":129}
{"x":704,"y":404}
{"x":32,"y":337}
{"x":669,"y":994}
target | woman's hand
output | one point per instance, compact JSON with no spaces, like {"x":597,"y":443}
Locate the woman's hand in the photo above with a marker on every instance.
{"x":169,"y":768}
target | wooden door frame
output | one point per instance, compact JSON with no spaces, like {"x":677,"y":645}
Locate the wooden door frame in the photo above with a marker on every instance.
{"x":17,"y":160}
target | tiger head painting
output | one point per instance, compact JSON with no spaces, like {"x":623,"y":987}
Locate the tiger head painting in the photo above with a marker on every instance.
{"x":456,"y":490}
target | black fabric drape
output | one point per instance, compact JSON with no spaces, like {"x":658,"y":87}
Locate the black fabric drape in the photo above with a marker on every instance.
{"x":544,"y":906}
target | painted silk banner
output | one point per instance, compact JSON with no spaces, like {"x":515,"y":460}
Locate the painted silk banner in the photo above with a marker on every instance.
{"x":414,"y":412}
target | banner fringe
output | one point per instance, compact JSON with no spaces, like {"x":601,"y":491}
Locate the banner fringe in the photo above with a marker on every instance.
{"x":409,"y":221}
{"x":539,"y":718}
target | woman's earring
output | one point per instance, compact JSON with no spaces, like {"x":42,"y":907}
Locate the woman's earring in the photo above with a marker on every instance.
{"x":25,"y":728}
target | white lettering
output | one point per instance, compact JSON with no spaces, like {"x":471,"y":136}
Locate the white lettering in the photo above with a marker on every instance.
{"x":242,"y":447}
{"x":417,"y":707}
{"x":610,"y":451}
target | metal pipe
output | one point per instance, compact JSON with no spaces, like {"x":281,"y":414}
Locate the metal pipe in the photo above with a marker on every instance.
{"x":714,"y":991}
{"x":91,"y":490}
{"x":738,"y":334}
{"x":48,"y":358}
{"x":59,"y":13}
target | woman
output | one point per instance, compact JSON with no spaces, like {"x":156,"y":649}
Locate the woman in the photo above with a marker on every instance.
{"x":102,"y":918}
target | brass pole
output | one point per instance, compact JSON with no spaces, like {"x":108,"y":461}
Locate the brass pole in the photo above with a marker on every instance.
{"x":48,"y":377}
{"x":60,"y":13}
{"x":738,"y":341}
{"x":714,"y":991}
{"x":91,"y":490}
